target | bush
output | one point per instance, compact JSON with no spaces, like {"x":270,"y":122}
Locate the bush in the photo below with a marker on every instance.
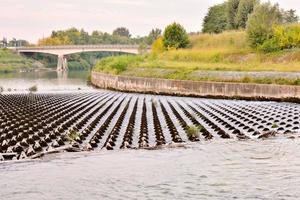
{"x":287,"y":36}
{"x":117,"y":64}
{"x":175,"y":36}
{"x":270,"y":45}
{"x":261,"y":22}
{"x":193,"y":131}
{"x":73,"y":136}
{"x":284,"y":37}
{"x":33,"y":89}
{"x":158,"y":46}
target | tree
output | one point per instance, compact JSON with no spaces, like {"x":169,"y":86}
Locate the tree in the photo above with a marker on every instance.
{"x":261,"y":22}
{"x":175,"y":36}
{"x":4,"y":42}
{"x":215,"y":21}
{"x":96,"y":37}
{"x":290,"y":16}
{"x":231,"y":11}
{"x":153,"y":35}
{"x":12,"y":43}
{"x":245,"y":8}
{"x":22,"y":43}
{"x":84,"y":37}
{"x":121,"y":31}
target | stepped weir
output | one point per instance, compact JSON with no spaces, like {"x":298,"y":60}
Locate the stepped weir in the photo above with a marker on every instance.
{"x":34,"y":124}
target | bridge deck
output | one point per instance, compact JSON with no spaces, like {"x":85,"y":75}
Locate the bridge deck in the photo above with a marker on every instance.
{"x":78,"y":47}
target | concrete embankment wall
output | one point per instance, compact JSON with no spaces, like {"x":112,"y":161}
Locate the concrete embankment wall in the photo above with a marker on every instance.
{"x":196,"y":88}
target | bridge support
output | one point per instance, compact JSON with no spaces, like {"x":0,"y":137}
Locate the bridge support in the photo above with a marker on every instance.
{"x":62,"y":63}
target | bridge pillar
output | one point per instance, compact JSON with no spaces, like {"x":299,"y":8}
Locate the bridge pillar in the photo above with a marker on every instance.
{"x":62,"y":63}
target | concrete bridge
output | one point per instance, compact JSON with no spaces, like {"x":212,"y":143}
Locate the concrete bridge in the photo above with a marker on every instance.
{"x":63,"y":51}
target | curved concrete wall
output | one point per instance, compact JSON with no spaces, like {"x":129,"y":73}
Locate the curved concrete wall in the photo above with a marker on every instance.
{"x":196,"y":88}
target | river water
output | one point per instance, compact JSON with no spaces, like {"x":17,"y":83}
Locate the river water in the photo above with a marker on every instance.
{"x":218,"y":169}
{"x":45,"y":81}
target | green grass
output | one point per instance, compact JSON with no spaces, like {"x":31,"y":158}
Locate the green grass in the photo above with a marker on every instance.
{"x":10,"y":62}
{"x":72,"y":136}
{"x":228,"y":51}
{"x":193,"y":131}
{"x":33,"y":88}
{"x":116,"y":65}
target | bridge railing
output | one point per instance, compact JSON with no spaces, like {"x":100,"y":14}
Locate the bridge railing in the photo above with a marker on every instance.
{"x":80,"y":47}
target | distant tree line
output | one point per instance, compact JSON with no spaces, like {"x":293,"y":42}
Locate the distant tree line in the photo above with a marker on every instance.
{"x":13,"y":43}
{"x":120,"y":35}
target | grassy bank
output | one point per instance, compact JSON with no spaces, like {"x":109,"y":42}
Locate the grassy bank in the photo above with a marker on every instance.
{"x":10,"y":62}
{"x":228,"y":51}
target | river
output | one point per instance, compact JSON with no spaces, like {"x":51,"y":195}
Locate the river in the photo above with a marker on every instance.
{"x":45,"y":81}
{"x":217,"y":169}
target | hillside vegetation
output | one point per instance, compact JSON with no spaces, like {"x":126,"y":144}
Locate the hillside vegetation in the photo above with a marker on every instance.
{"x":228,"y":51}
{"x":10,"y":62}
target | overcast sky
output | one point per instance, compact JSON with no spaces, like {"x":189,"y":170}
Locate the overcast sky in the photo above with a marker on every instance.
{"x":33,"y":19}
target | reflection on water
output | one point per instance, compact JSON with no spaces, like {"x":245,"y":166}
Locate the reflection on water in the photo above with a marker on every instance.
{"x":45,"y":80}
{"x":213,"y":170}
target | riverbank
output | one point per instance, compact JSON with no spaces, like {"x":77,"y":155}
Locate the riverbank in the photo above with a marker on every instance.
{"x":197,"y":88}
{"x":11,"y":62}
{"x":207,"y":59}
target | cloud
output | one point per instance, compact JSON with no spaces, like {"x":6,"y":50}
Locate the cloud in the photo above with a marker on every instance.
{"x":31,"y":19}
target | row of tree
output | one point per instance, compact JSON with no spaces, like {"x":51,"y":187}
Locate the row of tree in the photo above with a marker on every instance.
{"x":13,"y":43}
{"x":234,"y":14}
{"x":120,"y":35}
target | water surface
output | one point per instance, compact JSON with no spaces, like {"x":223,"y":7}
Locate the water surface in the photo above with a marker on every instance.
{"x":45,"y":81}
{"x":219,"y":169}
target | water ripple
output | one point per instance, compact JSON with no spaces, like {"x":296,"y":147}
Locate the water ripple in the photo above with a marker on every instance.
{"x":218,"y":170}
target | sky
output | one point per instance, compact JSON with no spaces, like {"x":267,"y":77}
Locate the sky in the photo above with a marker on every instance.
{"x":34,"y":19}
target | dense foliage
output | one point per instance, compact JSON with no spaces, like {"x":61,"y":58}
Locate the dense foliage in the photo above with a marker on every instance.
{"x":283,"y":37}
{"x":271,"y":28}
{"x":11,"y":62}
{"x":153,"y":35}
{"x":245,"y":8}
{"x":231,"y":15}
{"x":175,"y":36}
{"x":215,"y":21}
{"x":74,"y":36}
{"x":234,"y":15}
{"x":122,"y":32}
{"x":158,"y":46}
{"x":268,"y":26}
{"x":118,"y":64}
{"x":231,"y":11}
{"x":13,"y":43}
{"x":261,"y":22}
